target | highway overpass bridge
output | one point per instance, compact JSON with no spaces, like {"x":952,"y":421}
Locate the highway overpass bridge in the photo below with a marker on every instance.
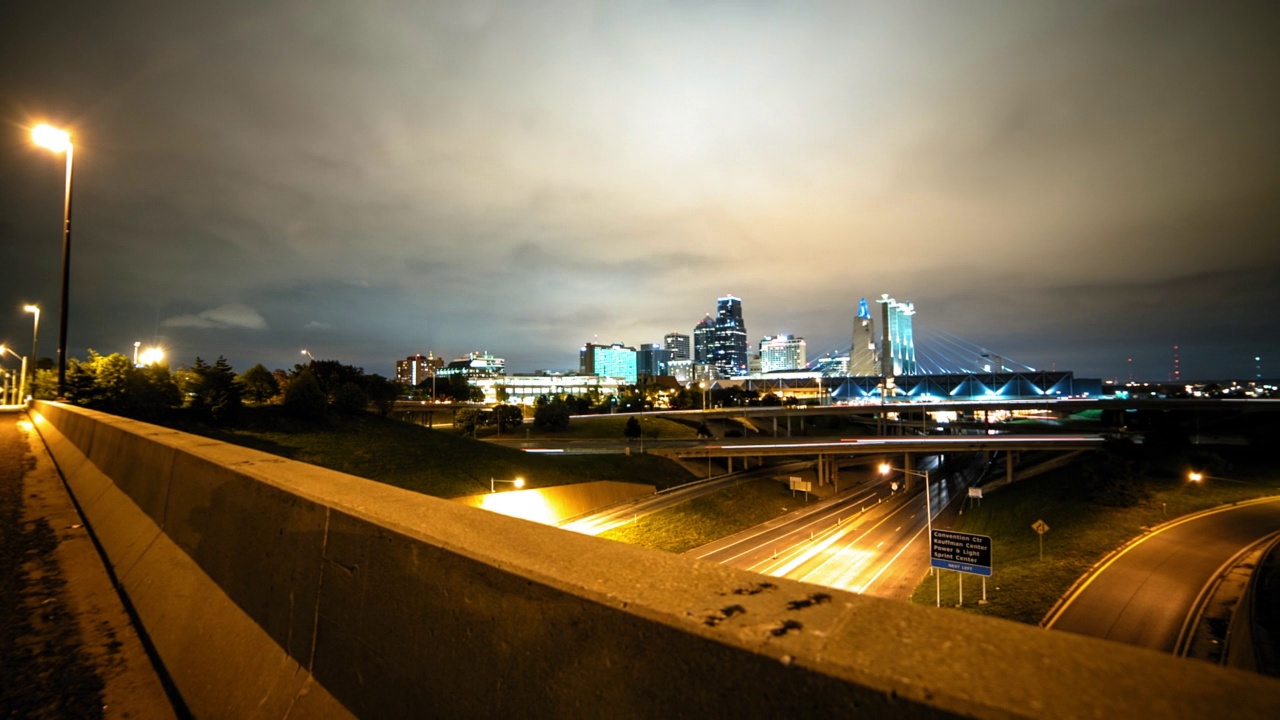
{"x":828,"y":453}
{"x":271,"y":588}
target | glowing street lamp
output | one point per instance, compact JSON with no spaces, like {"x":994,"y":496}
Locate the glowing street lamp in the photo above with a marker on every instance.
{"x":151,"y":356}
{"x":885,"y":469}
{"x":1195,"y":477}
{"x":308,"y":354}
{"x":22,"y":383}
{"x":59,"y":141}
{"x":35,"y":330}
{"x":518,"y":483}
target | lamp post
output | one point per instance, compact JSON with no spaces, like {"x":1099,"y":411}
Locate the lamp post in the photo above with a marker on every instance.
{"x":35,"y":331}
{"x":59,"y":141}
{"x":308,"y":354}
{"x":136,"y":345}
{"x":518,"y":483}
{"x":703,"y":386}
{"x":885,"y":468}
{"x":22,"y":383}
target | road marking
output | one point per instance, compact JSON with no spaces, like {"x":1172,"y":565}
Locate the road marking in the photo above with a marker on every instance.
{"x":1071,"y":597}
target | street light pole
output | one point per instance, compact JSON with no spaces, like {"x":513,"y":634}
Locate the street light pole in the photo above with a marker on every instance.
{"x":928,"y":505}
{"x":59,"y":141}
{"x":22,"y":383}
{"x":35,"y":331}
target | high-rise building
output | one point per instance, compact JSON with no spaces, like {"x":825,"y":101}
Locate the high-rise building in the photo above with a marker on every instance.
{"x":704,"y":341}
{"x":862,"y":354}
{"x":729,"y":344}
{"x":616,"y":361}
{"x":781,"y":352}
{"x":897,"y":339}
{"x":678,"y":345}
{"x":652,"y":360}
{"x":417,"y":368}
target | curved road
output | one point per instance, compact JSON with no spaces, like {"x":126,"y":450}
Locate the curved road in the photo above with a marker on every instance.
{"x":1149,"y":593}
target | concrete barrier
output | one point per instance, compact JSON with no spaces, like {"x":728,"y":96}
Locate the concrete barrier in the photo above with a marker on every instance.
{"x":271,"y":588}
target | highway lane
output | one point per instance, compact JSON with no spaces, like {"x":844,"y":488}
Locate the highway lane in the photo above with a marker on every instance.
{"x":1148,"y":593}
{"x":866,"y":540}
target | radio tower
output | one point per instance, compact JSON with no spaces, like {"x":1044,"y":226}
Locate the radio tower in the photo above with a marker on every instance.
{"x":1177,"y":375}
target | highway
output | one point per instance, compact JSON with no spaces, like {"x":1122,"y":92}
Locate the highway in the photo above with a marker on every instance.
{"x":1149,"y":593}
{"x":867,"y":540}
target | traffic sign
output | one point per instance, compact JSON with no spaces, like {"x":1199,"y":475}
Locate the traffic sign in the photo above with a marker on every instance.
{"x":1040,"y":527}
{"x":962,"y":552}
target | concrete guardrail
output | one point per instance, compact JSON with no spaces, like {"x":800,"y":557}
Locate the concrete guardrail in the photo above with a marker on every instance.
{"x":271,"y":588}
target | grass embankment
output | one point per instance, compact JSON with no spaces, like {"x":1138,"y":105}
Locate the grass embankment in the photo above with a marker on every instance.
{"x":433,"y":462}
{"x":1024,"y":588}
{"x":710,"y":517}
{"x":611,"y":427}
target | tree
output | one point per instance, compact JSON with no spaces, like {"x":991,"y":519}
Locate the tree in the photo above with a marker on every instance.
{"x":1113,"y":475}
{"x":551,"y":414}
{"x":382,"y":392}
{"x":466,"y":420}
{"x":216,"y":392}
{"x":332,"y":375}
{"x":303,"y":397}
{"x":150,"y":393}
{"x":260,"y":384}
{"x":507,"y":416}
{"x":350,"y":399}
{"x":632,"y":429}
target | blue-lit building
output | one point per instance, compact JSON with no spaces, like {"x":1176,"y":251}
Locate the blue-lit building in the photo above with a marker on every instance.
{"x":616,"y":361}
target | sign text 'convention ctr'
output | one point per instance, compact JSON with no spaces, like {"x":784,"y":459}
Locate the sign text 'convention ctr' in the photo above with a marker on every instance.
{"x":963,"y":552}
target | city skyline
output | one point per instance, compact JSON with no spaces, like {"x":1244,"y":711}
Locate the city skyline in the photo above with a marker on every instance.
{"x":1076,"y":187}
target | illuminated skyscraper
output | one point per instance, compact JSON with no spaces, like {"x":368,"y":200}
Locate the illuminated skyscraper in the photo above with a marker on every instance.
{"x":704,"y":338}
{"x":781,"y":352}
{"x":862,"y":354}
{"x":678,"y":345}
{"x":897,"y":339}
{"x":729,"y":345}
{"x":652,"y":360}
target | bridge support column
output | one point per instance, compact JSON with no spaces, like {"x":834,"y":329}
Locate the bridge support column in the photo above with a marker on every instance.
{"x":775,"y":426}
{"x":908,"y":480}
{"x":1008,"y":464}
{"x":788,"y":426}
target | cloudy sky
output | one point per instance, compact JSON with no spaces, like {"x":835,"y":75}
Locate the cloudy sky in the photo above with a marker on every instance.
{"x":1068,"y":184}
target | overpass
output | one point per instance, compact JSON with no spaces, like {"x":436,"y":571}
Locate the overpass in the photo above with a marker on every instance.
{"x":271,"y":588}
{"x":827,"y":452}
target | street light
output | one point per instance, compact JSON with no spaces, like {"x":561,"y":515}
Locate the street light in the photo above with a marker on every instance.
{"x":151,"y":356}
{"x":1194,"y":476}
{"x":703,"y":385}
{"x":518,"y":482}
{"x":885,"y":468}
{"x":22,"y":384}
{"x":59,"y":141}
{"x":35,"y":331}
{"x":308,"y":354}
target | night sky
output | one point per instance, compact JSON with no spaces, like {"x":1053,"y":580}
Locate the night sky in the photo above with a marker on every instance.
{"x":1067,"y":184}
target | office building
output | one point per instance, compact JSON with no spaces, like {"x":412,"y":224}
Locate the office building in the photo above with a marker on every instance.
{"x":862,"y":354}
{"x":616,"y":361}
{"x":475,"y":366}
{"x":678,"y":345}
{"x":781,"y":353}
{"x":728,"y":338}
{"x":417,"y":369}
{"x":652,"y":360}
{"x":704,"y":337}
{"x":897,"y":339}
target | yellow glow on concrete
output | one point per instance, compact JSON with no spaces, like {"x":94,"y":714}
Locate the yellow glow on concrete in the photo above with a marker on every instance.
{"x":50,"y":137}
{"x":524,"y":504}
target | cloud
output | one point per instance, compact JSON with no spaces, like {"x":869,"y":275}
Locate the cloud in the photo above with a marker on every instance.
{"x":223,"y":317}
{"x":317,"y":325}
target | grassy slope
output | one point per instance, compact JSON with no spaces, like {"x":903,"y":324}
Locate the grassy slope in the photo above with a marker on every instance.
{"x":710,"y":517}
{"x":433,"y":462}
{"x":1023,"y":587}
